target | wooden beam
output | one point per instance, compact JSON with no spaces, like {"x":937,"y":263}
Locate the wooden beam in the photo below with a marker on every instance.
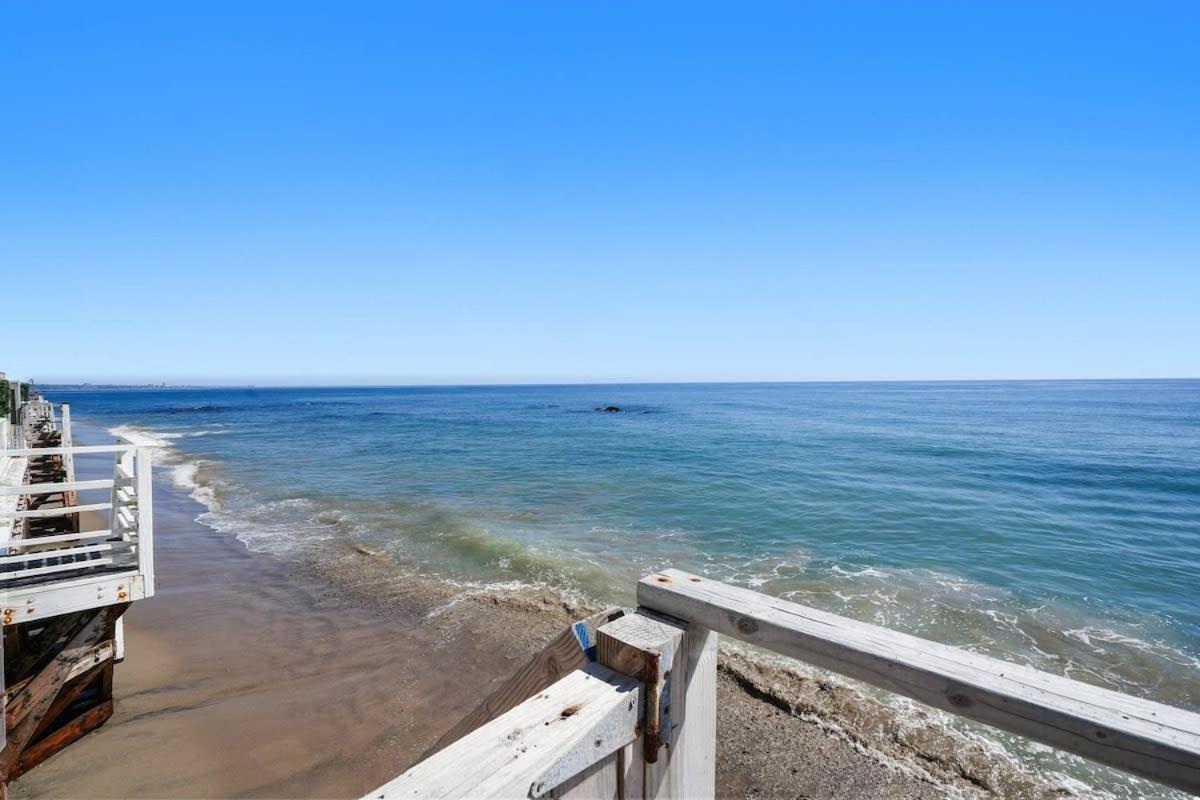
{"x":38,"y":649}
{"x":145,"y":517}
{"x":82,"y":725}
{"x":28,"y":708}
{"x":691,"y":770}
{"x":54,"y":488}
{"x":68,"y":567}
{"x":1150,"y":739}
{"x":25,"y":711}
{"x":535,"y":747}
{"x":55,"y":512}
{"x":39,"y":601}
{"x":23,"y":544}
{"x":600,"y":781}
{"x":64,"y":552}
{"x":566,"y":653}
{"x":77,"y":449}
{"x":644,"y":648}
{"x":70,"y":691}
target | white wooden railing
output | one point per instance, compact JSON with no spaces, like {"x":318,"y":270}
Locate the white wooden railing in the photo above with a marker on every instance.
{"x":121,"y":554}
{"x":640,"y":721}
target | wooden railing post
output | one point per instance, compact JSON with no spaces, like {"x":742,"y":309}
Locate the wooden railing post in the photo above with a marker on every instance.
{"x":145,"y":518}
{"x":677,"y":664}
{"x":68,"y":459}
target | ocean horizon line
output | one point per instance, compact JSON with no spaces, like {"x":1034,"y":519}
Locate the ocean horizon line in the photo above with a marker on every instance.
{"x":92,"y":385}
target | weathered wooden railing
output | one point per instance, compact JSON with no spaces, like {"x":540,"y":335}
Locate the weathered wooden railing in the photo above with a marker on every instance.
{"x":636,"y":717}
{"x":68,"y":571}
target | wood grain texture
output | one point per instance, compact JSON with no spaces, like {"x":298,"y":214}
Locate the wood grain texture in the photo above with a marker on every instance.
{"x":686,"y":768}
{"x":535,"y":747}
{"x":26,"y":711}
{"x":694,"y":749}
{"x":631,"y":771}
{"x":563,"y":655}
{"x":600,"y":781}
{"x":1147,"y":738}
{"x":85,"y":723}
{"x":645,"y":648}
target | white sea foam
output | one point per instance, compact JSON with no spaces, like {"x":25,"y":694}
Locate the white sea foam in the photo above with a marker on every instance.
{"x":185,"y":471}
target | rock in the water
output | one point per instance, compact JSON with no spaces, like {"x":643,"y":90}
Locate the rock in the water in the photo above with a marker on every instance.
{"x":609,"y":409}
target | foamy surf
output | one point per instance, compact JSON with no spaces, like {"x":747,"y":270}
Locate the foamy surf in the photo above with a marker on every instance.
{"x":184,"y":470}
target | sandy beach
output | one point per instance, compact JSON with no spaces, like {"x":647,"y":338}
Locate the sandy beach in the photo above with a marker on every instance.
{"x":250,"y":677}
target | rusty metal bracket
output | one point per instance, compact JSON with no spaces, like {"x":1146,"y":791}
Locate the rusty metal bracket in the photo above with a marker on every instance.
{"x":644,"y":647}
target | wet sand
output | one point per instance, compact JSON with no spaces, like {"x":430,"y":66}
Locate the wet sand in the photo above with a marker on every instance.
{"x":246,"y":676}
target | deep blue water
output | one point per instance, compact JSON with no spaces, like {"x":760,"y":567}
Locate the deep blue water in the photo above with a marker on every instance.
{"x":1056,"y":523}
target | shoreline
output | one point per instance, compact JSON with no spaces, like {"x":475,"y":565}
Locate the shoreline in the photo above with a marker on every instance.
{"x":246,"y":676}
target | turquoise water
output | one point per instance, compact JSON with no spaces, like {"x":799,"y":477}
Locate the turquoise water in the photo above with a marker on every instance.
{"x":1055,"y":523}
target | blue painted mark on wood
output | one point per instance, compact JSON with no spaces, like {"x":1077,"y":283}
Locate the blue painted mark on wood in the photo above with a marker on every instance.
{"x":585,"y":640}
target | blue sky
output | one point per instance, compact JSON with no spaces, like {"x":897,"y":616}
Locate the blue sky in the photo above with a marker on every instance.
{"x":459,"y":192}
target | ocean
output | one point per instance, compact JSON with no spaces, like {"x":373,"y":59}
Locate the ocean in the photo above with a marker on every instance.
{"x":1055,"y":524}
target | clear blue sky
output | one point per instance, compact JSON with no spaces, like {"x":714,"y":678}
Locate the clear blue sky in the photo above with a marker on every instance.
{"x":392,"y":193}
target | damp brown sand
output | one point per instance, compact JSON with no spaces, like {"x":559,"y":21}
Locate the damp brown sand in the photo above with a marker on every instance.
{"x":246,"y":676}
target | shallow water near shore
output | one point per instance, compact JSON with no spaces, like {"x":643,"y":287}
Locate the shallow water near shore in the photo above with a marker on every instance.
{"x":1056,"y":524}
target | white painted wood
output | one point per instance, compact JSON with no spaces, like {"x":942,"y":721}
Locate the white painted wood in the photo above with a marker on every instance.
{"x":1147,"y":738}
{"x":67,"y":441}
{"x":631,"y":766}
{"x":50,"y":570}
{"x":125,"y":518}
{"x":54,"y":512}
{"x":686,"y":768}
{"x":12,"y":473}
{"x":600,"y":781}
{"x":533,"y":748}
{"x":62,"y":552}
{"x":29,"y":603}
{"x":693,"y":752}
{"x":645,"y":647}
{"x":54,"y":488}
{"x":42,"y":541}
{"x":75,"y":450}
{"x":145,"y":518}
{"x":3,"y":696}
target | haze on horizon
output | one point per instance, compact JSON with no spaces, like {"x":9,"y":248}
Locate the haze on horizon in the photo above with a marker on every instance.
{"x":378,"y":194}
